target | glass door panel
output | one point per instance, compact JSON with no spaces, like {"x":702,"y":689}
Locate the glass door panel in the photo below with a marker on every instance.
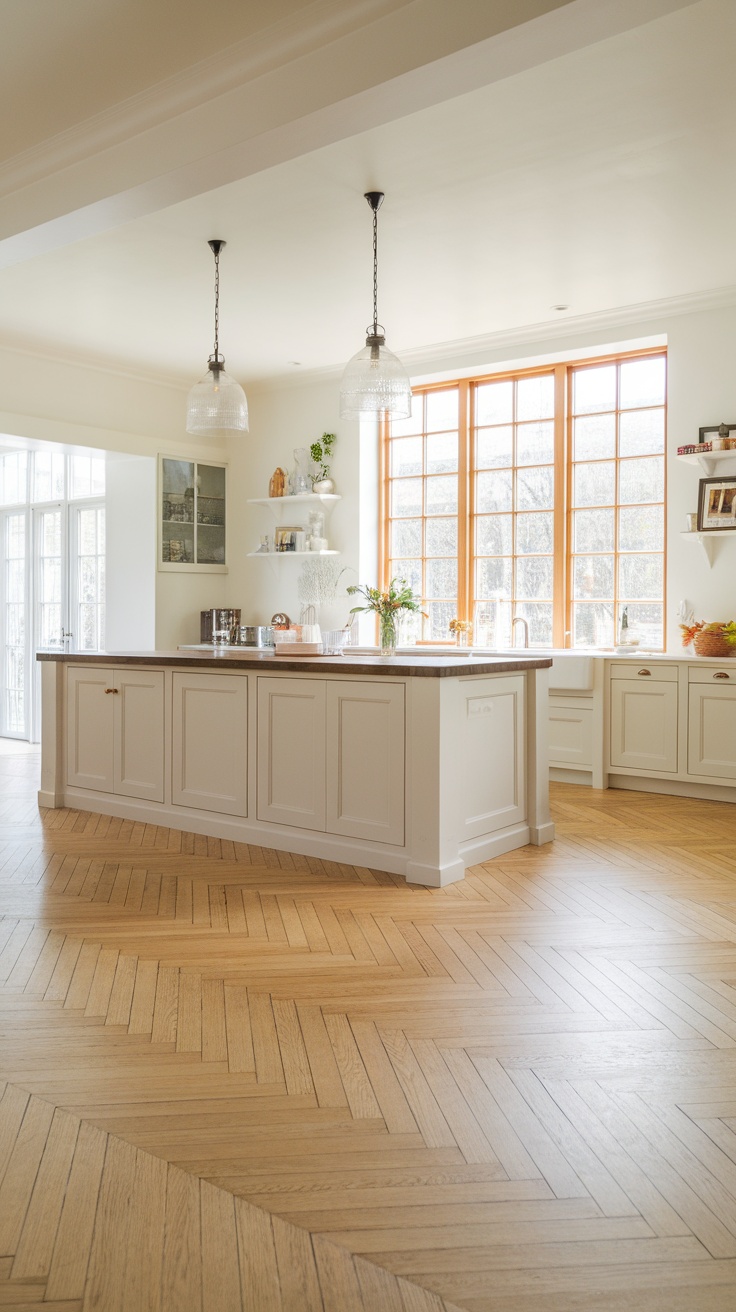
{"x":14,"y":712}
{"x":88,"y":577}
{"x":51,"y":628}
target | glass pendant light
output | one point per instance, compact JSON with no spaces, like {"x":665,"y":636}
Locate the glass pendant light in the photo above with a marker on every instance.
{"x":375,"y":382}
{"x":217,"y":403}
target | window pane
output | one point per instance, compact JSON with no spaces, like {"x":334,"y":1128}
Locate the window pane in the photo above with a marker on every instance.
{"x":406,"y":537}
{"x":594,"y":437}
{"x":493,"y":535}
{"x":535,"y":397}
{"x":535,"y":489}
{"x":641,"y":432}
{"x":641,"y":528}
{"x":411,"y":570}
{"x":534,"y":533}
{"x":648,"y":620}
{"x":534,"y":577}
{"x":441,"y":495}
{"x":494,"y":448}
{"x":441,"y":537}
{"x":403,"y":427}
{"x":493,"y":491}
{"x":642,"y":382}
{"x":641,"y":480}
{"x":441,"y":578}
{"x":492,"y":579}
{"x":442,"y":454}
{"x":594,"y":389}
{"x":494,"y":403}
{"x":594,"y":485}
{"x":48,"y":476}
{"x":592,"y":577}
{"x":640,"y":577}
{"x":406,"y":456}
{"x":592,"y":530}
{"x":442,"y":410}
{"x":539,"y":618}
{"x":592,"y":624}
{"x":437,"y":627}
{"x":406,"y":498}
{"x":13,"y":474}
{"x":535,"y":444}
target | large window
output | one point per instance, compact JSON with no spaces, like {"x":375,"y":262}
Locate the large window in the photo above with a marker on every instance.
{"x":536,"y":495}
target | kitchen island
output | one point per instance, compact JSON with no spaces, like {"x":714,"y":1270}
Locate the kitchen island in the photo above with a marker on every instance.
{"x":420,"y":766}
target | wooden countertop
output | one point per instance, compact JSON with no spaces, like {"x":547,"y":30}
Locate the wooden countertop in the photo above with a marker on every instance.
{"x":432,"y":667}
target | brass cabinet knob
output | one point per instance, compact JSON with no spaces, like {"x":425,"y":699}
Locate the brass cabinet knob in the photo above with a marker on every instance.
{"x":644,"y":671}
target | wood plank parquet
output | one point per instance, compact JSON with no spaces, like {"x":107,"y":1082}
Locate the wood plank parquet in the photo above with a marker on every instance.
{"x":235,"y":1078}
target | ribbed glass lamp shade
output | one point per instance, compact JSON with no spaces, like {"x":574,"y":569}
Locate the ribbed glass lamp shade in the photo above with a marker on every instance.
{"x":217,"y":405}
{"x":375,"y":383}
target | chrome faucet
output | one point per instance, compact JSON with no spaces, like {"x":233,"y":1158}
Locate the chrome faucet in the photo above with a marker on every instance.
{"x":519,"y":619}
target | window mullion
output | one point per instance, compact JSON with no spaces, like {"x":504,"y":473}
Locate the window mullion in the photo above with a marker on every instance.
{"x":465,"y":505}
{"x":560,"y":590}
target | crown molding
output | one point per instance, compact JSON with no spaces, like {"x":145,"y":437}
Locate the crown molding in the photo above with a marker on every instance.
{"x":316,"y":25}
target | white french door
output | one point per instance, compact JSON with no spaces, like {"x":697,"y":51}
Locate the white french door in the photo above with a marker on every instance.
{"x":52,"y":598}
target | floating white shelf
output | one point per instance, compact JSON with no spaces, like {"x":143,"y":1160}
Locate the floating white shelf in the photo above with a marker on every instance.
{"x":709,"y":459}
{"x":277,"y":504}
{"x":281,"y":554}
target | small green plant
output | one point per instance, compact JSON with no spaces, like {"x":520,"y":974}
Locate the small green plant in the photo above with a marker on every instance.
{"x":321,"y":453}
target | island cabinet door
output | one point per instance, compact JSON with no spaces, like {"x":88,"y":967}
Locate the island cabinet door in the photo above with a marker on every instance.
{"x":365,"y":760}
{"x":90,"y":728}
{"x":209,"y":767}
{"x":291,"y":751}
{"x":492,"y":755}
{"x":138,"y":708}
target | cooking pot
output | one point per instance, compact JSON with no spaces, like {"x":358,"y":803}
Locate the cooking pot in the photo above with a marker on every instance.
{"x":251,"y":635}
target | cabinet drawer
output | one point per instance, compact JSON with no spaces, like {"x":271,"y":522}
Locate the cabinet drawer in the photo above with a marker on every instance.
{"x":719,"y":675}
{"x":641,"y":669}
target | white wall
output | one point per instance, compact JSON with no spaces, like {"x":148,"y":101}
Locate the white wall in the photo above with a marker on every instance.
{"x":130,"y":532}
{"x":702,"y":390}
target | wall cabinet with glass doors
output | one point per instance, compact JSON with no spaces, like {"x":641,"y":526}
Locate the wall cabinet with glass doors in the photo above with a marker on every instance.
{"x":192,"y":516}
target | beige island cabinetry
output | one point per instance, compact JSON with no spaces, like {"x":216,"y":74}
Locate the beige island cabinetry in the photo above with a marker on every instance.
{"x":420,"y":767}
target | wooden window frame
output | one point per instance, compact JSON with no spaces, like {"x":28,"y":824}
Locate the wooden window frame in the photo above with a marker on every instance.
{"x":563,"y":464}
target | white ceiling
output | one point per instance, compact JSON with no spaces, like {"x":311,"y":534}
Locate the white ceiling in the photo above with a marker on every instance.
{"x":600,"y":178}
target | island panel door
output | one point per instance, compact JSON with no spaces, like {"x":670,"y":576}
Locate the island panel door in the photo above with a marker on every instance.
{"x":209,"y":767}
{"x":291,"y":751}
{"x":365,"y":760}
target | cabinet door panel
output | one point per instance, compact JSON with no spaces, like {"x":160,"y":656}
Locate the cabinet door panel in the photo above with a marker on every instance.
{"x":570,"y":734}
{"x":139,"y":734}
{"x":712,"y":731}
{"x":210,"y":742}
{"x":365,"y":760}
{"x":89,"y":714}
{"x":291,"y":752}
{"x":493,"y":764}
{"x":644,"y":725}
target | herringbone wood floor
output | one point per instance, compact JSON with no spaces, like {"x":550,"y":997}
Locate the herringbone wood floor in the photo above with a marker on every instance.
{"x":240,"y":1079}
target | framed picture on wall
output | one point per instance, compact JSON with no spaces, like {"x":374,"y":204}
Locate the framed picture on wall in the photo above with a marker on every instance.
{"x":716,"y":503}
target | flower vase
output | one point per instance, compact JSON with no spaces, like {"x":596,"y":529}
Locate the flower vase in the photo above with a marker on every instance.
{"x":388,"y":635}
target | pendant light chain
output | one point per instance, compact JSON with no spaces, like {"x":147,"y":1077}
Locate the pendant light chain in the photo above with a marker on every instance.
{"x":375,"y":272}
{"x":217,"y":306}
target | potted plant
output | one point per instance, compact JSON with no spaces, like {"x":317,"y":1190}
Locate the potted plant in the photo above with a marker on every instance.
{"x":718,"y":639}
{"x":387,"y":606}
{"x":321,"y":453}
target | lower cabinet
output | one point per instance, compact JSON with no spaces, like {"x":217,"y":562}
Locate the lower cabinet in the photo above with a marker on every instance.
{"x":115,"y":731}
{"x":331,"y":756}
{"x":570,"y":732}
{"x":210,"y":742}
{"x":712,"y":723}
{"x":643,"y":723}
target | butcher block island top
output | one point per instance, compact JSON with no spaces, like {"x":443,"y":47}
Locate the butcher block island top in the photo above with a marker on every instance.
{"x":418,"y":765}
{"x":404,"y":665}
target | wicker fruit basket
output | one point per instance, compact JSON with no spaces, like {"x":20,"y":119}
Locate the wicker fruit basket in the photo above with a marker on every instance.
{"x":717,"y":639}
